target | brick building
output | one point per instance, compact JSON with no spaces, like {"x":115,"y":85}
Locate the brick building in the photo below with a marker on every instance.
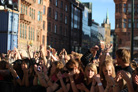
{"x":123,"y":23}
{"x":58,"y":23}
{"x":32,"y":24}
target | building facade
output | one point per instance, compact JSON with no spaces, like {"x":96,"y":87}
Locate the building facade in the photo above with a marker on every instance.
{"x":86,"y":27}
{"x":123,"y":23}
{"x":57,"y":23}
{"x":75,"y":34}
{"x":32,"y":24}
{"x":94,"y":33}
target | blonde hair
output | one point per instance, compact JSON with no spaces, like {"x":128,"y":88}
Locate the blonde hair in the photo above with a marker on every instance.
{"x":92,"y":67}
{"x":105,"y":64}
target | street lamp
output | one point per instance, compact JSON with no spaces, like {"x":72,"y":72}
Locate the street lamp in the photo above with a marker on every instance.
{"x":132,"y":28}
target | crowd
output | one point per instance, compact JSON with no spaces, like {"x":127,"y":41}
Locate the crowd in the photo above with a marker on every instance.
{"x":47,"y":71}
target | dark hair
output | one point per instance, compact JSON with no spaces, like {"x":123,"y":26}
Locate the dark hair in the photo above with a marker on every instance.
{"x":124,"y":55}
{"x":136,"y":69}
{"x":3,"y":64}
{"x":71,"y":64}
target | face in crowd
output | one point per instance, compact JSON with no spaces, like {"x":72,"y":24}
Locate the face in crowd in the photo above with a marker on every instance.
{"x":90,"y":70}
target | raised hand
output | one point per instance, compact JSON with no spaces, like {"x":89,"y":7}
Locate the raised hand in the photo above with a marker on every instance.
{"x":136,"y":79}
{"x":97,"y":78}
{"x":94,"y":50}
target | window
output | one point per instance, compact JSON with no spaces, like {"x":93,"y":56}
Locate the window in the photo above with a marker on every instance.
{"x":34,"y":14}
{"x":26,"y":10}
{"x":40,"y":1}
{"x":60,"y":30}
{"x":66,"y":8}
{"x":43,"y":40}
{"x":61,"y":17}
{"x":124,"y":23}
{"x":117,"y":8}
{"x":129,"y":23}
{"x":124,"y":9}
{"x":65,"y":32}
{"x":129,"y":8}
{"x":43,"y":25}
{"x":29,"y":33}
{"x":49,"y":26}
{"x":137,"y":23}
{"x":38,"y":17}
{"x":30,"y":12}
{"x":25,"y":36}
{"x":61,"y":5}
{"x":120,"y":7}
{"x":23,"y":31}
{"x":65,"y":19}
{"x":56,"y":15}
{"x":49,"y":12}
{"x":20,"y":30}
{"x":120,"y":23}
{"x":44,"y":9}
{"x":21,"y":8}
{"x":56,"y":3}
{"x":117,"y":24}
{"x":120,"y":41}
{"x":33,"y":34}
{"x":55,"y":29}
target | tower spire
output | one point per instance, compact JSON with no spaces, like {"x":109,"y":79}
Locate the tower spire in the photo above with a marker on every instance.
{"x":107,"y":17}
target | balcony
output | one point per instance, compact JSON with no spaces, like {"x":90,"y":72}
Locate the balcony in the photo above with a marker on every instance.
{"x":27,"y":2}
{"x":25,"y":18}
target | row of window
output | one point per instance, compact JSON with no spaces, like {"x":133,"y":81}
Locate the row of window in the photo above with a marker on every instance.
{"x":126,"y":8}
{"x":39,"y":17}
{"x":56,"y":15}
{"x":61,"y":4}
{"x":126,"y":23}
{"x":60,"y":31}
{"x":32,"y":13}
{"x":136,"y":43}
{"x":30,"y":34}
{"x":24,"y":9}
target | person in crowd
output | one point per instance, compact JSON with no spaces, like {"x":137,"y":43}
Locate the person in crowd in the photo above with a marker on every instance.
{"x":91,"y":80}
{"x":123,"y":60}
{"x":107,"y":70}
{"x":76,"y":75}
{"x":135,"y":79}
{"x":122,"y":82}
{"x":89,"y":55}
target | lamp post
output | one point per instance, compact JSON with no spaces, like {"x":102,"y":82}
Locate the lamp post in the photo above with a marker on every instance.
{"x":132,"y":27}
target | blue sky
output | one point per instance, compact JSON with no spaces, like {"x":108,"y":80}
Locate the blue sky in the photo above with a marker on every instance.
{"x":99,"y":9}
